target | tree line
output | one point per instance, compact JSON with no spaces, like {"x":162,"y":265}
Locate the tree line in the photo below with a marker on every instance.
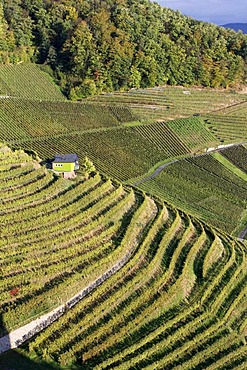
{"x":94,"y":46}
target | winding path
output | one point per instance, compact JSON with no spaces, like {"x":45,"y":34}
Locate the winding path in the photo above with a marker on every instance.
{"x":156,"y":172}
{"x":160,"y":168}
{"x":243,"y":233}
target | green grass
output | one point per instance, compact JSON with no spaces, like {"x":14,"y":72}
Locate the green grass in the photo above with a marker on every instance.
{"x":237,"y":156}
{"x":168,"y":102}
{"x":22,"y":119}
{"x":230,"y":166}
{"x":229,"y":124}
{"x":193,"y":133}
{"x":123,"y":153}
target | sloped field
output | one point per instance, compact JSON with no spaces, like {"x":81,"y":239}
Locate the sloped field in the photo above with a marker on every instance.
{"x":23,"y":120}
{"x":204,"y":187}
{"x":172,"y":102}
{"x":45,"y":220}
{"x":27,"y":81}
{"x":127,"y":134}
{"x":194,"y":133}
{"x":177,"y":302}
{"x":122,"y":153}
{"x":237,"y":155}
{"x":229,"y":124}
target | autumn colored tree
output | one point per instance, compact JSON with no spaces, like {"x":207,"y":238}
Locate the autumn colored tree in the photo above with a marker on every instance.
{"x":95,"y":46}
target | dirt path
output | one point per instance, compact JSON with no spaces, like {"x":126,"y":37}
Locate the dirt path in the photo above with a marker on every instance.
{"x":242,"y":234}
{"x":22,"y":334}
{"x":15,"y":338}
{"x":156,"y":172}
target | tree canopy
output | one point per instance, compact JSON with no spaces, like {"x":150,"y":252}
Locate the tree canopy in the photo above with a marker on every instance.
{"x":96,"y":46}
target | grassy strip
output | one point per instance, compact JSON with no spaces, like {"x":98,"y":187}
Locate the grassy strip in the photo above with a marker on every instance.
{"x":230,"y":166}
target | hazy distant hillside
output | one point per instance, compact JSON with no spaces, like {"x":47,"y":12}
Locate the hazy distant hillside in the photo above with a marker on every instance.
{"x":101,"y":46}
{"x":236,"y":26}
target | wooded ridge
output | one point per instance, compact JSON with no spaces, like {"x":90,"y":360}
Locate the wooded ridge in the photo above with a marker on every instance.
{"x":100,"y":46}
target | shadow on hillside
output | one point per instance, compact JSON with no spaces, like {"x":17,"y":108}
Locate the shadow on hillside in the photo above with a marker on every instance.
{"x":47,"y":163}
{"x":17,"y":360}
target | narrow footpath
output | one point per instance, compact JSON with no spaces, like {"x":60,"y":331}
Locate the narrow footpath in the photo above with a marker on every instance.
{"x":156,"y":172}
{"x":243,"y":233}
{"x":160,"y":168}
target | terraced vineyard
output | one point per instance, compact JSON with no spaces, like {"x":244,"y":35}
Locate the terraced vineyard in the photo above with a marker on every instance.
{"x":73,"y":223}
{"x":177,"y":300}
{"x":23,"y":120}
{"x":113,"y":132}
{"x":123,"y":153}
{"x":161,"y":288}
{"x":194,"y":133}
{"x":117,"y":131}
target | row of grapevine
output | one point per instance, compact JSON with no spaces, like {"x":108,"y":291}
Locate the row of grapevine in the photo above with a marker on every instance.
{"x":204,"y":187}
{"x":177,"y":301}
{"x":237,"y":155}
{"x":159,"y":310}
{"x":238,"y":109}
{"x":27,"y":81}
{"x":229,"y":124}
{"x":86,"y":115}
{"x":193,"y":133}
{"x":172,"y":102}
{"x":128,"y":152}
{"x":122,"y":153}
{"x":228,"y":130}
{"x":160,"y":135}
{"x":77,"y":236}
{"x":22,"y":119}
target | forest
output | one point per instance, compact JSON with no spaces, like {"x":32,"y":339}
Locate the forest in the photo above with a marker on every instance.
{"x":93,"y":46}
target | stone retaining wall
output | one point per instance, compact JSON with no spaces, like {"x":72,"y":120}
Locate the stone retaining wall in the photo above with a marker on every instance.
{"x":22,"y":334}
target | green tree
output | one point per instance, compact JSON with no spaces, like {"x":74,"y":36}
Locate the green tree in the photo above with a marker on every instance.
{"x":87,"y":167}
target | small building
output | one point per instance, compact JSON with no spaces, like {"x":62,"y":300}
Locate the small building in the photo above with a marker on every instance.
{"x":66,"y":164}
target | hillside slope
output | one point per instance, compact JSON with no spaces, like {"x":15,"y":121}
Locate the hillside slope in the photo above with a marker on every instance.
{"x":205,"y":187}
{"x":129,"y":135}
{"x":236,"y":26}
{"x":27,"y":81}
{"x":178,"y":299}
